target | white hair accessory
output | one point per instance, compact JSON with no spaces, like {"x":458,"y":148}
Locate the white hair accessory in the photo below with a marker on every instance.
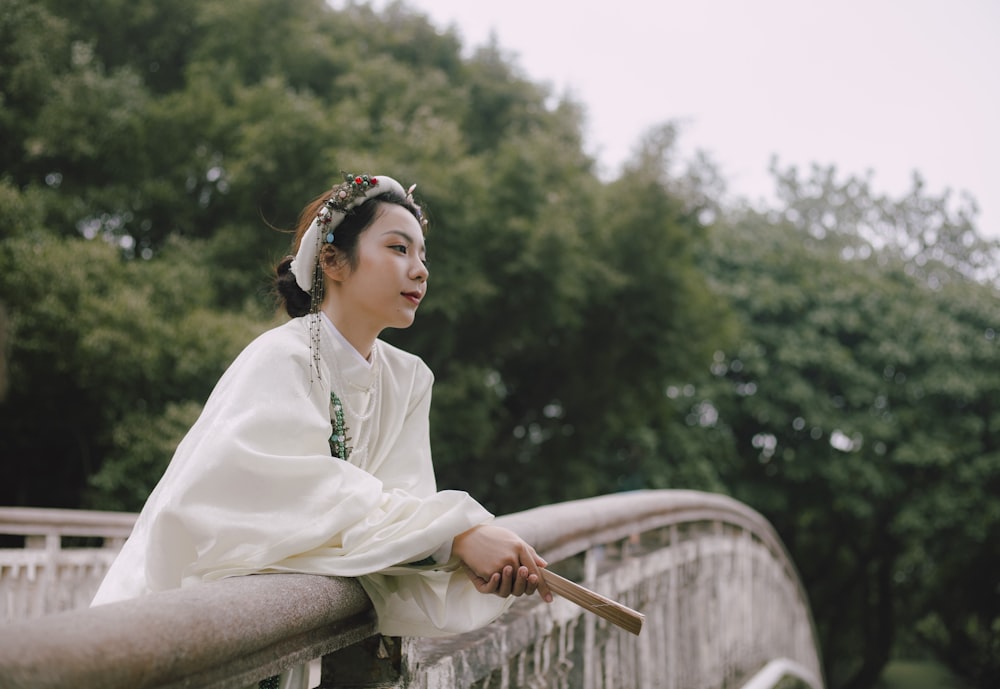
{"x":355,"y":190}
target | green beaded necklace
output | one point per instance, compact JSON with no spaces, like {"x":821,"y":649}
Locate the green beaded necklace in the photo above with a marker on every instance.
{"x":339,"y":438}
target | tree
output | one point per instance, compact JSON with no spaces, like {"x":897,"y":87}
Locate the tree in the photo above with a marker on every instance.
{"x":33,"y":45}
{"x":164,"y":182}
{"x":934,"y":238}
{"x":96,"y":343}
{"x":859,"y":387}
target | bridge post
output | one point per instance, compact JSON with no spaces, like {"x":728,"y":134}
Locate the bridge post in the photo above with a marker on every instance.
{"x":673,"y":619}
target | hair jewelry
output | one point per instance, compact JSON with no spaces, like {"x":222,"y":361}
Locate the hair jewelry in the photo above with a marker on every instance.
{"x":352,"y":192}
{"x":308,"y":273}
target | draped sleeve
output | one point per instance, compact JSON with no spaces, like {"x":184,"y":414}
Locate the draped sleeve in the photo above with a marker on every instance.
{"x":253,"y":488}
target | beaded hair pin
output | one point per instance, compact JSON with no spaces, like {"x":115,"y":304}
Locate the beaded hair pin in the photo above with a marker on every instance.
{"x":342,"y":200}
{"x":352,"y":192}
{"x":344,"y":196}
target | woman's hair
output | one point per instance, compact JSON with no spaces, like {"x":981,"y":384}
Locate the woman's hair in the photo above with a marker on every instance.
{"x":296,"y":301}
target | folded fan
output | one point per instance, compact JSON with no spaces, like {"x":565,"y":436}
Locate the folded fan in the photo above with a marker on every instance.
{"x":615,"y":613}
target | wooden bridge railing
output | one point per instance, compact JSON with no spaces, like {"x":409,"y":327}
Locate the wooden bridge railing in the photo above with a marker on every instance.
{"x":723,"y":604}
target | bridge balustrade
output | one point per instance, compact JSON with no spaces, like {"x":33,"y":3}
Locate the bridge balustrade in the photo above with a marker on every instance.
{"x":64,"y":557}
{"x":723,"y":603}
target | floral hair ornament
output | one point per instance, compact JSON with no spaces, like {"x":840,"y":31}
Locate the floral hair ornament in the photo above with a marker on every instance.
{"x":355,"y":190}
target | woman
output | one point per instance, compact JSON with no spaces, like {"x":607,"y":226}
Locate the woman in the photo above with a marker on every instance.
{"x":312,"y":454}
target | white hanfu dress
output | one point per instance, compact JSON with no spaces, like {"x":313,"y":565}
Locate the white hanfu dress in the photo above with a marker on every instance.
{"x":253,"y":487}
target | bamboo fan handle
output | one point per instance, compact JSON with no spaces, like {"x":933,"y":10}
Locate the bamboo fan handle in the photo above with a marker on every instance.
{"x":615,"y":613}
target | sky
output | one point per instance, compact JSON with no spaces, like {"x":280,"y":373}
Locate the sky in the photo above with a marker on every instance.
{"x":888,"y":87}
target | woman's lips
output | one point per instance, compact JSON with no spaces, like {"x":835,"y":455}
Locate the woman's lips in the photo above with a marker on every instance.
{"x":414,"y":297}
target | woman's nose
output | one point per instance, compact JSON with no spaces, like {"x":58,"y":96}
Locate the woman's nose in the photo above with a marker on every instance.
{"x":420,"y":271}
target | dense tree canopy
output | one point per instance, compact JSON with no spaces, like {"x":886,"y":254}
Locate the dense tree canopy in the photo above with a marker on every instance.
{"x":832,"y":362}
{"x":156,"y":148}
{"x":862,"y":403}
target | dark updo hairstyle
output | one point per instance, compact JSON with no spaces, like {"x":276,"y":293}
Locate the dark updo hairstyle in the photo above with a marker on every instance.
{"x":295,"y":300}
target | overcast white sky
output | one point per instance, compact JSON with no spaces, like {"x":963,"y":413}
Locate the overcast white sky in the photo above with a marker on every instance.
{"x":890,"y":86}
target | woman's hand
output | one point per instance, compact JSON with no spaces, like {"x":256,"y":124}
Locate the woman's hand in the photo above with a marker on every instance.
{"x":498,"y":561}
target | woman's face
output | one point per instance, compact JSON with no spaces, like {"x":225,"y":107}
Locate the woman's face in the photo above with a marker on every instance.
{"x":389,"y":278}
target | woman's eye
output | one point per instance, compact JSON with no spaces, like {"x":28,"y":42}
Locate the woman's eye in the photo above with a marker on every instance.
{"x":401,"y":248}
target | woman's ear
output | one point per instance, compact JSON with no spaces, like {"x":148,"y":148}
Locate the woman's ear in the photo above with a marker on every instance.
{"x":334,"y":263}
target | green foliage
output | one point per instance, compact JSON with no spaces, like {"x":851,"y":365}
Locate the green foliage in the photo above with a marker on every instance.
{"x":92,"y":340}
{"x":862,"y":402}
{"x":934,"y":237}
{"x":154,"y":181}
{"x":141,"y":445}
{"x":564,"y":309}
{"x":33,"y":46}
{"x":154,"y":39}
{"x":907,"y":674}
{"x":20,"y":211}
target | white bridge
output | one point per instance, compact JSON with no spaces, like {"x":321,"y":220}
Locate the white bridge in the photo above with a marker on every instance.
{"x":723,"y":605}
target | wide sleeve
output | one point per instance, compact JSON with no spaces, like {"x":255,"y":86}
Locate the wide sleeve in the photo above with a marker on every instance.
{"x":253,"y":488}
{"x":427,"y":600}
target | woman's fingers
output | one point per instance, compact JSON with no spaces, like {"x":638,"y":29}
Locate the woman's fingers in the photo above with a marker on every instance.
{"x":484,"y":585}
{"x":506,"y":582}
{"x":532,"y":584}
{"x":515,"y":566}
{"x":522,"y":585}
{"x":533,"y":563}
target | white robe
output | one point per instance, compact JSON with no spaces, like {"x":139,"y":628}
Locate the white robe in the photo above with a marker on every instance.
{"x":253,"y":488}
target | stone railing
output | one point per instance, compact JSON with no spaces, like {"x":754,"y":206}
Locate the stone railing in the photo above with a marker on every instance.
{"x":53,"y":572}
{"x":723,"y":605}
